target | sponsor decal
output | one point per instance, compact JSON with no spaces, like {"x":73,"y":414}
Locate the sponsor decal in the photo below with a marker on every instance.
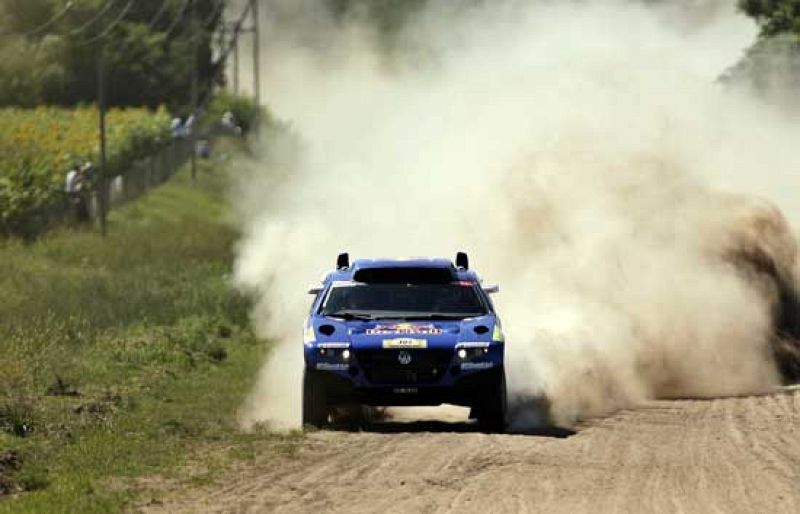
{"x":470,"y":344}
{"x":404,"y":328}
{"x":328,"y":366}
{"x":405,"y":342}
{"x":405,"y":390}
{"x":476,"y":365}
{"x":333,"y":345}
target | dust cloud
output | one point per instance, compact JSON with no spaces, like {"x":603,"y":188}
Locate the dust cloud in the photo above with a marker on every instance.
{"x":583,"y":153}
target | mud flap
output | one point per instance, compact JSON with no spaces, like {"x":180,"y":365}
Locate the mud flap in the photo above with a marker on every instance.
{"x":315,"y":400}
{"x":492,"y":410}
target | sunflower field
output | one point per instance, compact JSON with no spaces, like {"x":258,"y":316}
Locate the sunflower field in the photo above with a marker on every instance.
{"x":38,"y":146}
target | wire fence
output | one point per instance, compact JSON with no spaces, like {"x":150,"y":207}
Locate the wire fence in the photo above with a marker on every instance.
{"x":83,"y":208}
{"x":89,"y":205}
{"x":145,"y":174}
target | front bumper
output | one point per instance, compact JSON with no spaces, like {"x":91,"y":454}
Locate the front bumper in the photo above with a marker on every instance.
{"x":466,"y":391}
{"x":387,"y":376}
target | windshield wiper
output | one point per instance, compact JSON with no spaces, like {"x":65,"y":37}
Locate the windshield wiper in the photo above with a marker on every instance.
{"x":371,"y":316}
{"x":350,"y":316}
{"x":442,"y":316}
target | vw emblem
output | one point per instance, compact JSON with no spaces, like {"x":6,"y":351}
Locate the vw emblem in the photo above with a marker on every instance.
{"x":404,"y":358}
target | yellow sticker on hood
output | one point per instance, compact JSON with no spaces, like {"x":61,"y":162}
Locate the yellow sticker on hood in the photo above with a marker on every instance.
{"x":404,"y":342}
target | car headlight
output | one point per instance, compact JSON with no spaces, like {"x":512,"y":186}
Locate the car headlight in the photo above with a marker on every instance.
{"x":308,"y":335}
{"x":497,"y":334}
{"x":472,"y":350}
{"x":335,"y":351}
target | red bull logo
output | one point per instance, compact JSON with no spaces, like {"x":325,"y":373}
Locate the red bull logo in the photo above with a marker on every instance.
{"x":405,"y":329}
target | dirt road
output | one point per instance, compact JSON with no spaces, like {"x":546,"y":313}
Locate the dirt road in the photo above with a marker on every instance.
{"x":705,"y":456}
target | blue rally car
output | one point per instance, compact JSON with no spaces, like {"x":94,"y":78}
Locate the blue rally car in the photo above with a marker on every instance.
{"x":404,"y":332}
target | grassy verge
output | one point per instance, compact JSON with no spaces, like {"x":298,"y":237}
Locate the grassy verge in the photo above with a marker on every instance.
{"x":122,"y":356}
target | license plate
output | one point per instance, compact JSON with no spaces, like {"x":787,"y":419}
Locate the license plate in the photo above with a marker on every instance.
{"x":405,"y":342}
{"x":405,"y":390}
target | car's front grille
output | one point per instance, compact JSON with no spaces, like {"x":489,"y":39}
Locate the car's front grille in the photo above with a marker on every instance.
{"x":391,"y":367}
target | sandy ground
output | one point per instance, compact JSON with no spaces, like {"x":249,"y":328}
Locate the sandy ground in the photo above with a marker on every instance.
{"x":695,"y":456}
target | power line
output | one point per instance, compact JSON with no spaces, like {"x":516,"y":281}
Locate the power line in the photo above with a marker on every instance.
{"x":97,"y":16}
{"x":237,"y":28}
{"x":220,"y":6}
{"x":158,"y":15}
{"x":111,"y":26}
{"x":177,"y":19}
{"x":49,"y":23}
{"x":181,"y":15}
{"x":219,"y":63}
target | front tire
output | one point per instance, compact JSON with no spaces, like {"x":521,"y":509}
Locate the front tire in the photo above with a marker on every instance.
{"x":315,"y":401}
{"x":492,"y":411}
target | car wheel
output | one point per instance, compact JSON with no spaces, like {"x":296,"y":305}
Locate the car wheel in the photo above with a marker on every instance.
{"x":315,"y":401}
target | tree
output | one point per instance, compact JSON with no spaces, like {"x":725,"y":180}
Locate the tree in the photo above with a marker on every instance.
{"x":45,"y":58}
{"x":775,"y":16}
{"x":771,"y":66}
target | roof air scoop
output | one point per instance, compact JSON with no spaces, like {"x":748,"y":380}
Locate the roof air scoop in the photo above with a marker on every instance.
{"x":343,"y":261}
{"x":462,"y":261}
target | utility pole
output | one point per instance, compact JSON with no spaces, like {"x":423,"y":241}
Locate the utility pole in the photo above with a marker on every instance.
{"x":256,"y":56}
{"x":102,"y":193}
{"x":235,"y":63}
{"x":223,"y":33}
{"x":195,"y":89}
{"x":235,"y":31}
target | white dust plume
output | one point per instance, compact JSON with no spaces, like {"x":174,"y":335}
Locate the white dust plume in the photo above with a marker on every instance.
{"x":581,"y":152}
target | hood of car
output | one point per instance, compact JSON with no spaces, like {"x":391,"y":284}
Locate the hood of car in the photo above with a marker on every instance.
{"x":403,"y":334}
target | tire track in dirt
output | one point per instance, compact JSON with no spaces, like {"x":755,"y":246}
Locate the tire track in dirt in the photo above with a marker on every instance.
{"x":725,"y":455}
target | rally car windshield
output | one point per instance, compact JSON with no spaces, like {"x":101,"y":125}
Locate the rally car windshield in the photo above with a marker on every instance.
{"x":408,"y":301}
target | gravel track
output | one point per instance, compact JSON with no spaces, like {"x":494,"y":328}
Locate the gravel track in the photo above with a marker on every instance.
{"x":724,"y":455}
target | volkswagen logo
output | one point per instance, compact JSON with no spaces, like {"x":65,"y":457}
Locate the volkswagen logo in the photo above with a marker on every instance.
{"x":404,"y":358}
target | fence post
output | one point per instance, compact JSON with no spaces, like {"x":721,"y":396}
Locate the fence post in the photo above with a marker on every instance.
{"x":151,"y":171}
{"x":102,"y":195}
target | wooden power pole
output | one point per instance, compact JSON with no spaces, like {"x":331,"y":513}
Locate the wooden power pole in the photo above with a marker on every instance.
{"x":235,"y":63}
{"x":102,"y":190}
{"x":195,"y":28}
{"x":256,"y":55}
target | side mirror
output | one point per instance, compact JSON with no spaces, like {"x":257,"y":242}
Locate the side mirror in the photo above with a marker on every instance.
{"x":343,"y":261}
{"x":492,"y":289}
{"x":462,"y":261}
{"x":315,"y":289}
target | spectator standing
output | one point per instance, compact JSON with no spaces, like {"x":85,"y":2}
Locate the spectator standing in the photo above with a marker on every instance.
{"x":78,"y":187}
{"x":229,"y":123}
{"x":71,"y":181}
{"x":88,"y":188}
{"x":72,"y":187}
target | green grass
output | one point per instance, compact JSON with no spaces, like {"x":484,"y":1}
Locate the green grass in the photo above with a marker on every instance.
{"x":123,"y":357}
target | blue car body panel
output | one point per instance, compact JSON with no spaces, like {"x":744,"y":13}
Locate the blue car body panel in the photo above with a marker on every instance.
{"x":379,"y":348}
